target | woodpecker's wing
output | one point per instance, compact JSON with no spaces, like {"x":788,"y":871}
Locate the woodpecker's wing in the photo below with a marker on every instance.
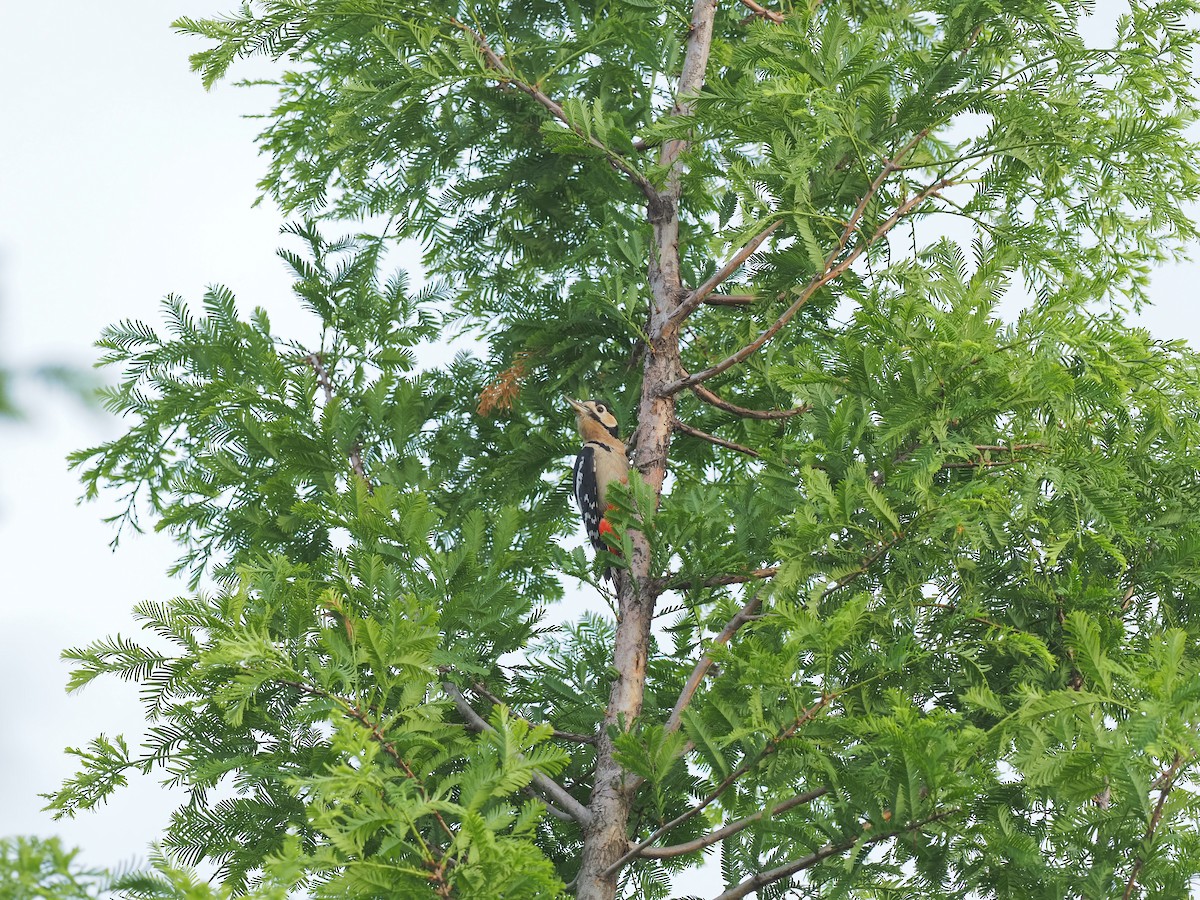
{"x":587,"y":494}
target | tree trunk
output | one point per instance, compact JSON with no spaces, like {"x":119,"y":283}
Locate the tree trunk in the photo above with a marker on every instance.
{"x":607,"y":839}
{"x":612,"y":793}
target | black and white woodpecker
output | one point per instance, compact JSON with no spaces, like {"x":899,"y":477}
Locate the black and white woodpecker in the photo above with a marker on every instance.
{"x":601,"y":461}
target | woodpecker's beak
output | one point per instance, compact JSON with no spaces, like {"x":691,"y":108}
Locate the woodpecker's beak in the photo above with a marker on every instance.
{"x":579,"y":408}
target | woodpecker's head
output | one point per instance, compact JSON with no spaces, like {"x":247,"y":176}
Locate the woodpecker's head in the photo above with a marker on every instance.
{"x":594,"y":419}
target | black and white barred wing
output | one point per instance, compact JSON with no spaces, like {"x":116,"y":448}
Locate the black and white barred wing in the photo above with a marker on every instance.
{"x":587,"y":494}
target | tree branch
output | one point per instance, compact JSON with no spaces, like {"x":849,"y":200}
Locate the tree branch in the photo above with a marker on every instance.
{"x":978,"y":464}
{"x":720,"y":580}
{"x":317,"y":364}
{"x":544,"y":784}
{"x":762,"y":12}
{"x":713,"y":400}
{"x":361,"y":717}
{"x":730,"y":299}
{"x":696,"y":297}
{"x":707,"y":840}
{"x":613,"y":785}
{"x":772,"y":745}
{"x":691,"y":76}
{"x":1008,"y":448}
{"x":1127,"y":598}
{"x":550,"y":807}
{"x":377,"y":735}
{"x":832,"y":269}
{"x":506,"y":75}
{"x":867,"y":561}
{"x":762,"y":879}
{"x":982,"y":463}
{"x":1165,"y":782}
{"x":744,"y":615}
{"x":679,"y":425}
{"x":481,"y":689}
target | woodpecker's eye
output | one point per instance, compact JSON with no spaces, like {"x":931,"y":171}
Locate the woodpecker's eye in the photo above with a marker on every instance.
{"x":600,"y":408}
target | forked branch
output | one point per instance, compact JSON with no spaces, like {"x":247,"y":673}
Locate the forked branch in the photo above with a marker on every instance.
{"x":718,"y":278}
{"x":864,"y":565}
{"x":1164,"y":783}
{"x":317,"y":364}
{"x":377,"y":734}
{"x":762,"y":12}
{"x":570,"y":736}
{"x":744,"y":615}
{"x":771,"y":747}
{"x":985,"y":462}
{"x":719,"y":580}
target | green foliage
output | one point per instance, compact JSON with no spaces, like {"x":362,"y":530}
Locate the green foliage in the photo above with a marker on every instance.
{"x":7,"y":409}
{"x":971,"y":558}
{"x":42,"y":869}
{"x":67,"y":379}
{"x":37,"y":869}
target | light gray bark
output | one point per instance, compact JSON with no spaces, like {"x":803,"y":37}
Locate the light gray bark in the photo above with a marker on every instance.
{"x":606,"y":838}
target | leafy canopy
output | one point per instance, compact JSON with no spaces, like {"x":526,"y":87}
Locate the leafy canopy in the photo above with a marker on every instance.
{"x":944,"y":592}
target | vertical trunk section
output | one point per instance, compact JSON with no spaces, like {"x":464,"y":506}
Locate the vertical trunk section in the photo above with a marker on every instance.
{"x":612,"y":793}
{"x":607,"y":839}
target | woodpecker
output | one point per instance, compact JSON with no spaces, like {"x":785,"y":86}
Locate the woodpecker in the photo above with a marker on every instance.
{"x":600,"y":462}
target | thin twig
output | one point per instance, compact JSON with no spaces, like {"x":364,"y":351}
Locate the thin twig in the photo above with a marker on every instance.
{"x":766,"y":414}
{"x":546,"y":785}
{"x":746,"y":614}
{"x":863,"y":567}
{"x":762,"y":12}
{"x":1165,"y":782}
{"x":979,"y":464}
{"x":507,"y":76}
{"x":390,"y":748}
{"x":550,"y":807}
{"x":730,"y":299}
{"x":770,"y":876}
{"x":696,"y":297}
{"x":1008,"y":448}
{"x":707,"y":840}
{"x":318,"y":366}
{"x":679,"y":425}
{"x":1127,"y":599}
{"x":982,"y":463}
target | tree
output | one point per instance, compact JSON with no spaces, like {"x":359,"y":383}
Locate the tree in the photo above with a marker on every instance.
{"x":905,"y":591}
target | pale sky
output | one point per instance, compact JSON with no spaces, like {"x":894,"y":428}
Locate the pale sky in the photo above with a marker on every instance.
{"x":122,"y":180}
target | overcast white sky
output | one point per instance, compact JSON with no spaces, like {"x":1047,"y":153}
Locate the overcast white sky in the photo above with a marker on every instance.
{"x":121,"y":180}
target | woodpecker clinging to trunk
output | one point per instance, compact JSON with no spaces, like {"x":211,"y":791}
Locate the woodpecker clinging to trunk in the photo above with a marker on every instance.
{"x":600,"y":462}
